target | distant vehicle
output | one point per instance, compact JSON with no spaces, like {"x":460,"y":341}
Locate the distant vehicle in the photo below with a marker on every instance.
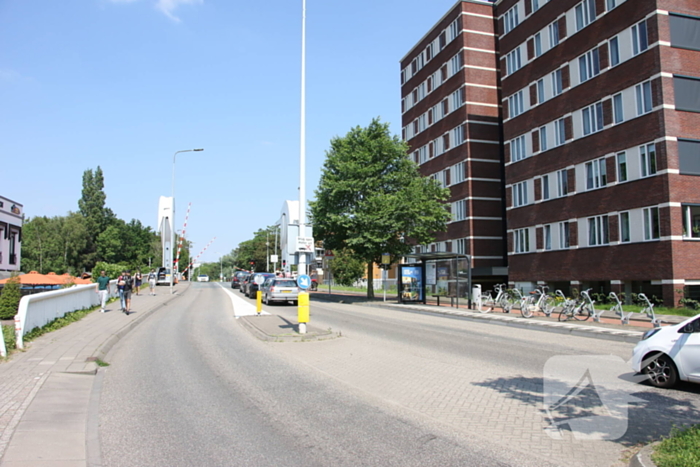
{"x":669,"y":354}
{"x":280,"y":289}
{"x":244,"y":281}
{"x":163,"y":277}
{"x":252,"y":287}
{"x":237,"y":278}
{"x":203,"y":278}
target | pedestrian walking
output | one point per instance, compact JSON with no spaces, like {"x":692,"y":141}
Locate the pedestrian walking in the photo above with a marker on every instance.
{"x":102,"y":289}
{"x":137,"y":279}
{"x":128,"y":287}
{"x":152,"y":276}
{"x":120,"y":287}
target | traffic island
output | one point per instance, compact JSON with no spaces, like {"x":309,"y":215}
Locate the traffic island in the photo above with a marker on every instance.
{"x":273,"y":328}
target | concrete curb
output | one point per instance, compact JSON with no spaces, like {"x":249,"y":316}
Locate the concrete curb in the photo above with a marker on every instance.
{"x":262,"y":327}
{"x":643,"y":457}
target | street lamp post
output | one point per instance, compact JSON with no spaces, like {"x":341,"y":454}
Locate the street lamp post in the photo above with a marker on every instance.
{"x":172,"y":227}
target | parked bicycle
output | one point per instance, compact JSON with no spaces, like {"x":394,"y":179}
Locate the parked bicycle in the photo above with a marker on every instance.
{"x":543,"y":303}
{"x":502,"y":300}
{"x":579,"y":310}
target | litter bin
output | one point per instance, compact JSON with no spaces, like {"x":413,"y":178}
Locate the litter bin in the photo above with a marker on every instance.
{"x":476,"y":296}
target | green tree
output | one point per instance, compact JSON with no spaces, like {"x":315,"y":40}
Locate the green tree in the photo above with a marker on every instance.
{"x":371,"y":198}
{"x":346,"y":267}
{"x":9,"y":299}
{"x":256,"y":250}
{"x":91,"y":206}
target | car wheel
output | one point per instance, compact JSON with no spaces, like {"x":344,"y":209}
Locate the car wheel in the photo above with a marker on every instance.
{"x":661,"y":371}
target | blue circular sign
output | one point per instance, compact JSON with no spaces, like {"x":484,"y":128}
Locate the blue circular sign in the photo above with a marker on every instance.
{"x":304,"y":281}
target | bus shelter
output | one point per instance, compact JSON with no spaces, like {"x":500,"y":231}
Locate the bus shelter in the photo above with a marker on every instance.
{"x":437,"y":274}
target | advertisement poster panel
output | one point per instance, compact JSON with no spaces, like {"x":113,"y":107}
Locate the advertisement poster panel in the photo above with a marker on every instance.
{"x":412,"y":284}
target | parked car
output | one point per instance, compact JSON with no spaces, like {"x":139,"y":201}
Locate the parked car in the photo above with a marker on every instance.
{"x":245,"y":280}
{"x":669,"y":354}
{"x":163,"y":277}
{"x":237,"y":278}
{"x":252,"y":287}
{"x":280,"y":289}
{"x":202,"y":278}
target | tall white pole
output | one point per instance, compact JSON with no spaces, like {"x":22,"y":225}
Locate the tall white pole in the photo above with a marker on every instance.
{"x":302,"y":155}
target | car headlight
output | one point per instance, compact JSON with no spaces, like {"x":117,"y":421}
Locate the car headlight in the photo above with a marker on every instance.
{"x":650,"y":333}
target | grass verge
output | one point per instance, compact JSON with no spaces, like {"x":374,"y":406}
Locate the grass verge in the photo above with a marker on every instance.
{"x":681,"y":449}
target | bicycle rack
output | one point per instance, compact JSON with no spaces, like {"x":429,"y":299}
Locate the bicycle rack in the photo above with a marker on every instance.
{"x":596,"y":314}
{"x":624,"y":317}
{"x":649,"y":311}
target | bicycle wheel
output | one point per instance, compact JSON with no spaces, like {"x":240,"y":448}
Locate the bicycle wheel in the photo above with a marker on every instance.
{"x":526,"y":310}
{"x":564,"y":314}
{"x":485,"y":304}
{"x":582,"y":314}
{"x":548,"y":306}
{"x":505,"y":304}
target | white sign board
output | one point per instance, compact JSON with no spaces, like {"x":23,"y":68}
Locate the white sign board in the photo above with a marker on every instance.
{"x":305,"y":244}
{"x":273,"y":259}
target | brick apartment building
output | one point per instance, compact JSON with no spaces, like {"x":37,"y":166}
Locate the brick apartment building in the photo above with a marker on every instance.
{"x":450,"y":118}
{"x":600,"y":112}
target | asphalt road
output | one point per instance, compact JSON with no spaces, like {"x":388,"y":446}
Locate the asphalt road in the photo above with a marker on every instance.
{"x":189,"y":386}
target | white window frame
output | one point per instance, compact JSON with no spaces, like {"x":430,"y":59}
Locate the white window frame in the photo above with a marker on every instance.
{"x":596,"y":174}
{"x":540,"y":91}
{"x":647,"y":160}
{"x":640,"y":38}
{"x":520,"y":194}
{"x":614,"y":51}
{"x":553,"y":29}
{"x":545,"y":188}
{"x":564,"y":232}
{"x":625,"y":227}
{"x":543,"y":138}
{"x":521,"y":239}
{"x":459,"y":210}
{"x":557,"y":82}
{"x":559,"y":132}
{"x":516,"y":105}
{"x":458,"y":173}
{"x":518,"y":150}
{"x":598,"y":231}
{"x":644,"y":98}
{"x":618,"y":108}
{"x":592,"y":119}
{"x":538,"y":44}
{"x":513,"y":61}
{"x":622,"y":167}
{"x":584,"y":13}
{"x":510,"y":20}
{"x":652,"y":223}
{"x":562,"y":183}
{"x":547,"y":234}
{"x":589,"y":65}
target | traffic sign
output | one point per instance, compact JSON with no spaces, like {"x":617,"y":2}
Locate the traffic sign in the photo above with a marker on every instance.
{"x":304,"y":281}
{"x":329,"y":254}
{"x":259,"y":279}
{"x":305,"y":244}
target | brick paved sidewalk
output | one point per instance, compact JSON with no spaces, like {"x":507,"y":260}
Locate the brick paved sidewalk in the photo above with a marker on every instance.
{"x":69,"y":351}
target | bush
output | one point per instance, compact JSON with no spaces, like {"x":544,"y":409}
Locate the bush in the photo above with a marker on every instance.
{"x":9,"y":300}
{"x":8,"y":334}
{"x":681,"y":449}
{"x":689,"y":303}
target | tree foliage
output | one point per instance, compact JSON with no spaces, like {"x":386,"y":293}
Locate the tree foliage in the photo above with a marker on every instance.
{"x":256,"y":249}
{"x":371,"y":197}
{"x":346,"y":267}
{"x":10,"y":297}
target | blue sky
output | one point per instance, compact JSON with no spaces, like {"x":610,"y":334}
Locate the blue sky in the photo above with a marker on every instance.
{"x":123,"y":84}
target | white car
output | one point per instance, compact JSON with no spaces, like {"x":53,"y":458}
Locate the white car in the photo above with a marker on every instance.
{"x":203,"y":278}
{"x":670,"y":353}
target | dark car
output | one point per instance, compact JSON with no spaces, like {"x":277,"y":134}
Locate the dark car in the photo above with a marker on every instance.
{"x":244,"y":281}
{"x":237,"y":278}
{"x":252,"y":287}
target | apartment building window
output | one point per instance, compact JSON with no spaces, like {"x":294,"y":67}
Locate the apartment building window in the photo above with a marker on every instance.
{"x":643,"y":92}
{"x":689,"y":156}
{"x":513,"y":62}
{"x":691,"y":221}
{"x":422,"y":122}
{"x":618,"y":110}
{"x":613,"y":3}
{"x":647,"y":159}
{"x":455,"y":64}
{"x":614,"y":47}
{"x":557,"y":82}
{"x":520,"y":194}
{"x":510,"y":20}
{"x":461,"y":246}
{"x":457,"y":100}
{"x":596,"y":176}
{"x":458,"y":135}
{"x":553,"y":34}
{"x":585,"y":14}
{"x":598,"y":231}
{"x":459,"y":210}
{"x":640,"y":40}
{"x":564,"y":235}
{"x":624,"y":227}
{"x":522,"y":240}
{"x":589,"y":65}
{"x":547,"y":237}
{"x":543,"y":138}
{"x":686,"y":91}
{"x":535,"y":5}
{"x":454,"y":29}
{"x":545,"y":187}
{"x":538,"y":44}
{"x":517,"y":149}
{"x":446,"y":142}
{"x":652,"y":230}
{"x":621,"y":167}
{"x":458,"y":173}
{"x":592,"y":118}
{"x":515,"y":104}
{"x":685,"y":31}
{"x":562,"y":183}
{"x":559,"y":132}
{"x":540,"y":90}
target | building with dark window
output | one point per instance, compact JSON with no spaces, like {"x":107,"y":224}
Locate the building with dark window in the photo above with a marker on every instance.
{"x":599,"y":102}
{"x":450,"y":118}
{"x":601,"y":123}
{"x":11,"y":215}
